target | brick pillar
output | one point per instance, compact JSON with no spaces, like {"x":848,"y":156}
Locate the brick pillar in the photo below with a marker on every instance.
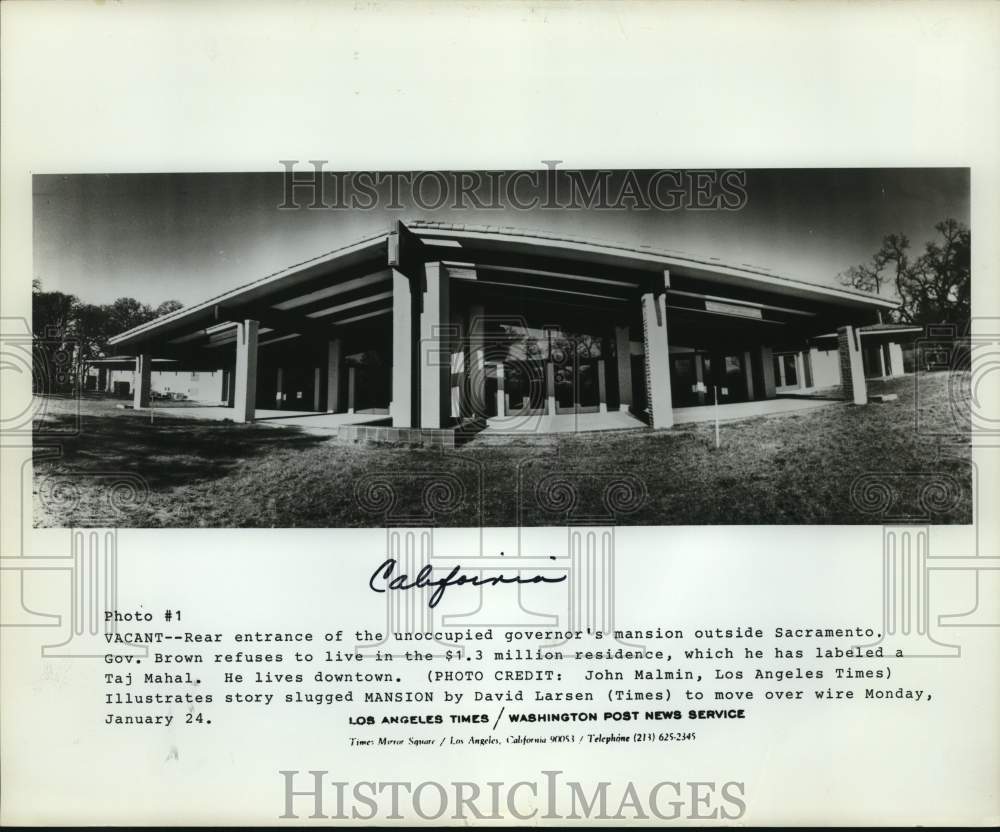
{"x":654,"y":333}
{"x":623,"y":348}
{"x":245,"y":401}
{"x":852,"y":371}
{"x":435,"y":349}
{"x":402,"y":409}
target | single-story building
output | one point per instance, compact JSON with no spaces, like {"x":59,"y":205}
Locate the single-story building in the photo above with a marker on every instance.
{"x":116,"y":376}
{"x":439,"y":326}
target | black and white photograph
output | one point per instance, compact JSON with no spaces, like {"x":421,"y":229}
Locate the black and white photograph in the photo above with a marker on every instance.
{"x":530,"y":413}
{"x":714,"y":346}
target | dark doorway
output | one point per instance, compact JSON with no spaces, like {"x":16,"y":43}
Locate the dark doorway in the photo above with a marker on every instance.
{"x":698,"y":377}
{"x":684,"y":380}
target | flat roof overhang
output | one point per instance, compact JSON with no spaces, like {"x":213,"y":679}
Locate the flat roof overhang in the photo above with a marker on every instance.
{"x":302,"y":299}
{"x":876,"y":334}
{"x":267,"y":291}
{"x":450,"y":242}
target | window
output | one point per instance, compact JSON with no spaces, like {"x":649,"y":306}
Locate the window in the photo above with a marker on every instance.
{"x":786,"y":370}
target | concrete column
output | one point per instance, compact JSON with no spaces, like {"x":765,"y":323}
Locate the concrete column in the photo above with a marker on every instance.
{"x":748,"y":374}
{"x":699,"y":376}
{"x":279,"y":397}
{"x":351,"y":380}
{"x":456,"y":377}
{"x":852,"y":371}
{"x":317,"y":381}
{"x":881,"y":361}
{"x":767,"y":371}
{"x":800,"y":371}
{"x":550,"y":387}
{"x":813,"y":362}
{"x":245,"y":402}
{"x":602,"y":387}
{"x":623,"y":348}
{"x":143,"y":368}
{"x":401,"y":409}
{"x":895,"y":359}
{"x":435,"y":350}
{"x":475,"y":385}
{"x":501,"y":392}
{"x":654,"y":331}
{"x":334,"y":358}
{"x":231,"y":389}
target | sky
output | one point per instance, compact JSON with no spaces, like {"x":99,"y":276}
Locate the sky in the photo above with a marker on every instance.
{"x":187,"y":237}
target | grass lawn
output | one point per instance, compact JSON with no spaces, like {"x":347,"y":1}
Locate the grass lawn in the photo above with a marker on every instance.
{"x":799,"y":468}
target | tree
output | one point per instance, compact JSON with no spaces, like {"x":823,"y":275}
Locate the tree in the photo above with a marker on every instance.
{"x":82,"y":330}
{"x":933,"y":288}
{"x":51,"y":312}
{"x":937,"y":288}
{"x":873,"y":276}
{"x":126,"y":313}
{"x":167,"y":307}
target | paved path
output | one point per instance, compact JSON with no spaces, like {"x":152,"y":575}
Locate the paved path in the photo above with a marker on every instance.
{"x":749,"y":410}
{"x":328,"y":423}
{"x":318,"y":422}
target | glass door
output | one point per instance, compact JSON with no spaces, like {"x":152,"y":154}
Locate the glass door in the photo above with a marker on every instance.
{"x":732,"y":379}
{"x":524,"y":382}
{"x":684,"y":379}
{"x":787,"y":375}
